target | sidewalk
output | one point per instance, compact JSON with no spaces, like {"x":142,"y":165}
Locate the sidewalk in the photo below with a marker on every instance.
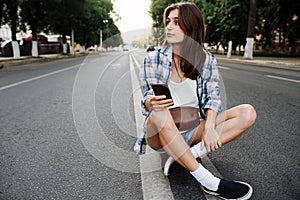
{"x":279,"y":62}
{"x":10,"y":61}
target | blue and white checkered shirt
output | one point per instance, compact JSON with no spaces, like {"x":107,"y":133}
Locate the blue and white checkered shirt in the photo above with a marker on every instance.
{"x":157,"y":70}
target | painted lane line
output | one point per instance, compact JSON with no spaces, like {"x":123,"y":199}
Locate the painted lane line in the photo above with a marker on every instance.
{"x":222,"y":67}
{"x":281,"y":78}
{"x":154,"y":184}
{"x":36,"y":78}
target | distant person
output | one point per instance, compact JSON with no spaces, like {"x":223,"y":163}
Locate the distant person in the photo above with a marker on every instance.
{"x":191,"y":74}
{"x":150,"y":48}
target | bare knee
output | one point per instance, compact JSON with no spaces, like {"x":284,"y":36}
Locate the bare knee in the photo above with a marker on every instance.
{"x":159,"y":123}
{"x":161,"y":119}
{"x":247,"y":114}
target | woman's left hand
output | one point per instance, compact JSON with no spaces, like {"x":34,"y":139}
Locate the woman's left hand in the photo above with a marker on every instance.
{"x":211,"y":140}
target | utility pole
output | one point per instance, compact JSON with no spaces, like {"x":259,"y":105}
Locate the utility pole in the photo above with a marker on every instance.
{"x":250,"y":32}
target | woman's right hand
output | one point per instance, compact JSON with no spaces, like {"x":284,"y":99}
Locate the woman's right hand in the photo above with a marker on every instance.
{"x":158,"y":102}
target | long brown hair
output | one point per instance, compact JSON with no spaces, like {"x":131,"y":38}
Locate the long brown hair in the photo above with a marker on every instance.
{"x":192,"y":53}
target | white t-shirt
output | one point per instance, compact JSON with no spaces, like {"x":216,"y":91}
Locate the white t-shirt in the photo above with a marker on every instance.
{"x":184,"y":93}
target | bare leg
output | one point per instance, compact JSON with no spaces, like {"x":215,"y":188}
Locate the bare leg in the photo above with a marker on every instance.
{"x":162,"y":133}
{"x":230,"y":124}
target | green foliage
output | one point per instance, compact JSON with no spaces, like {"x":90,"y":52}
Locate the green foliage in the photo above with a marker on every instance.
{"x":85,"y":17}
{"x":276,"y":20}
{"x":95,"y":16}
{"x":33,"y":13}
{"x":10,"y":16}
{"x":280,"y":20}
{"x":232,"y":18}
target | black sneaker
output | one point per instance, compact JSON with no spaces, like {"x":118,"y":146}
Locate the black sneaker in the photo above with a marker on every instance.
{"x":231,"y":190}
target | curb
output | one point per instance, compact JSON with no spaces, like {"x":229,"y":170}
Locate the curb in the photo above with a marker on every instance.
{"x":292,"y":65}
{"x":27,"y":60}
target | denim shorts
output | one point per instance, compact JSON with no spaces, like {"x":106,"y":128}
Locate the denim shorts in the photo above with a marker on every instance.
{"x":188,"y":135}
{"x":140,"y":147}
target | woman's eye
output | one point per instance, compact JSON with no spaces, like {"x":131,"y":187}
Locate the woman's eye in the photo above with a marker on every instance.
{"x":168,"y":21}
{"x":176,"y":22}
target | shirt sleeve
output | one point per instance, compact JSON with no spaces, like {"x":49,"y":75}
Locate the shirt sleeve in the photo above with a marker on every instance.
{"x":211,"y":85}
{"x":146,"y":77}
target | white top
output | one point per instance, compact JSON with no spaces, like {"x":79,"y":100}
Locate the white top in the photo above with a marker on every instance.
{"x":184,"y":93}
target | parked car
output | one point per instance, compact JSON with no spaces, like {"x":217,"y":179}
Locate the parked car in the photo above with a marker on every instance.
{"x":91,"y":48}
{"x":39,"y":38}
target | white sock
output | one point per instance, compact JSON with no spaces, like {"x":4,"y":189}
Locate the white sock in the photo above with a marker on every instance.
{"x":205,"y":178}
{"x":196,"y":150}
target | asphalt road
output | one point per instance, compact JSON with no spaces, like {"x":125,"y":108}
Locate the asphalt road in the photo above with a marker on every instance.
{"x":67,"y":128}
{"x":42,"y":151}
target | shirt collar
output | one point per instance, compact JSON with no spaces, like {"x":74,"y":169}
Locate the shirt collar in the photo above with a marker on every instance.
{"x":167,"y":51}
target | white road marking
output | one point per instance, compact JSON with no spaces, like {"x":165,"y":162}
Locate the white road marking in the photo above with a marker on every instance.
{"x":154,"y":184}
{"x":281,"y":78}
{"x":222,"y":67}
{"x":36,"y":78}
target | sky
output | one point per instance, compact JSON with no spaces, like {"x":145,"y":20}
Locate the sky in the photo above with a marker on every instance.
{"x":134,"y":14}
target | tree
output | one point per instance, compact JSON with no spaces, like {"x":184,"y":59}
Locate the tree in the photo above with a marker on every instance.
{"x":224,"y":19}
{"x":267,"y":21}
{"x":2,"y":4}
{"x":95,"y":17}
{"x":250,"y":32}
{"x":61,"y":15}
{"x":278,"y":20}
{"x":33,"y":13}
{"x":209,"y":15}
{"x":157,"y":9}
{"x":229,"y":22}
{"x":112,"y":36}
{"x":289,"y":27}
{"x":12,"y":19}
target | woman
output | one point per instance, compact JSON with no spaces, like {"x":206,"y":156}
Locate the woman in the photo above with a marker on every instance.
{"x":192,"y":76}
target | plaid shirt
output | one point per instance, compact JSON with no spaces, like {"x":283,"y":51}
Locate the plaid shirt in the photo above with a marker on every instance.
{"x":157,"y":70}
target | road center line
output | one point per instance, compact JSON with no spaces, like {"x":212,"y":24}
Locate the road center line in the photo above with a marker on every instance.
{"x":154,"y":184}
{"x":36,"y":78}
{"x":281,"y":78}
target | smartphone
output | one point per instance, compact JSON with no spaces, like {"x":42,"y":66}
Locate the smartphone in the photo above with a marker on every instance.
{"x":162,"y":89}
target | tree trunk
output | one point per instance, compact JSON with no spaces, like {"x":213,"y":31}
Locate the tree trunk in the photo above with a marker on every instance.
{"x":82,"y":49}
{"x":34,"y":48}
{"x":229,"y":49}
{"x":250,"y":32}
{"x":16,"y":49}
{"x":65,"y":45}
{"x":12,"y":11}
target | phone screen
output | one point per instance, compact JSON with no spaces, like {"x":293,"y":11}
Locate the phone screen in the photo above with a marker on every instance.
{"x":161,"y":89}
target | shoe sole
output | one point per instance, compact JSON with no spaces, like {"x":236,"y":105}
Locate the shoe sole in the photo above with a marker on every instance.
{"x":247,"y":196}
{"x":167,"y":165}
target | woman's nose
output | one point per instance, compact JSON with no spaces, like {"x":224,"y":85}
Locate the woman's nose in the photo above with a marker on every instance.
{"x":170,"y":25}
